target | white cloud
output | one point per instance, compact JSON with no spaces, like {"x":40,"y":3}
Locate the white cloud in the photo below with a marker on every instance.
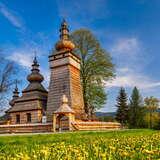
{"x":130,"y":79}
{"x":22,"y":58}
{"x":11,"y":16}
{"x":24,"y":55}
{"x":128,"y":54}
{"x":129,"y":46}
{"x":123,"y":70}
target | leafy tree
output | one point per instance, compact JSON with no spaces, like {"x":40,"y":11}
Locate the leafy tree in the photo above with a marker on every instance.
{"x":155,"y":119}
{"x":136,"y":110}
{"x":158,"y":125}
{"x":7,"y":71}
{"x":151,"y":104}
{"x":96,"y":68}
{"x":122,"y":111}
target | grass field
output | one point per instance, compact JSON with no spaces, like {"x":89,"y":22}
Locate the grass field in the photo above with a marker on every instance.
{"x":112,"y":145}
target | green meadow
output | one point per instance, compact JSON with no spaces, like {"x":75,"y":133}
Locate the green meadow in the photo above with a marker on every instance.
{"x":111,"y":145}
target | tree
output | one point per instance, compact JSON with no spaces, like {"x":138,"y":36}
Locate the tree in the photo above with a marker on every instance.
{"x":136,"y":110}
{"x":7,"y":71}
{"x":96,"y":68}
{"x":151,"y":104}
{"x":158,"y":125}
{"x":122,"y":111}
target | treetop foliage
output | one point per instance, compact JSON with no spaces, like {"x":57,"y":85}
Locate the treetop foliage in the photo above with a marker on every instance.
{"x":96,"y":68}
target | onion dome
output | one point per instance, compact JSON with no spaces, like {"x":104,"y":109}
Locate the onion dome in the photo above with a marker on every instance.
{"x":35,"y":76}
{"x":35,"y":79}
{"x":64,"y":43}
{"x":15,"y":95}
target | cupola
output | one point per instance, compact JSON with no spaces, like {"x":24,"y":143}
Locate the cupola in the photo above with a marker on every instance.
{"x":35,"y":76}
{"x":64,"y":44}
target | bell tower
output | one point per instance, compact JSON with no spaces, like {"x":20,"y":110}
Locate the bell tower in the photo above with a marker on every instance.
{"x":65,"y":76}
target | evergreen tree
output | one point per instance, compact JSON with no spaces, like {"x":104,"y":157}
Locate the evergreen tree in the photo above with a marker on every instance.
{"x":122,"y":111}
{"x":136,"y":110}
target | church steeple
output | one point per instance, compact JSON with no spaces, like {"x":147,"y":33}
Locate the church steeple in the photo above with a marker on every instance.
{"x":65,"y":77}
{"x":16,"y":92}
{"x":15,"y":95}
{"x":64,"y":44}
{"x":64,"y":31}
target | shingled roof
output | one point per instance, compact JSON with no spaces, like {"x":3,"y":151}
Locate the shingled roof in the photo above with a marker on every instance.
{"x":64,"y":108}
{"x":34,"y":91}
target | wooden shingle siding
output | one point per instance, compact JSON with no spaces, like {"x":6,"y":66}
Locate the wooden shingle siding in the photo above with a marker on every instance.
{"x":65,"y":79}
{"x":36,"y":116}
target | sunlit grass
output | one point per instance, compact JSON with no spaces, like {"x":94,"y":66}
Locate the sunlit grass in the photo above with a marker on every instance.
{"x":115,"y":145}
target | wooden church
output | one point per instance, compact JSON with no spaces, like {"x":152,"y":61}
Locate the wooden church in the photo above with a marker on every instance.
{"x":59,"y":108}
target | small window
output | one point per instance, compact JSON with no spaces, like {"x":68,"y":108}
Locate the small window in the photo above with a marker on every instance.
{"x":17,"y":118}
{"x":28,"y":117}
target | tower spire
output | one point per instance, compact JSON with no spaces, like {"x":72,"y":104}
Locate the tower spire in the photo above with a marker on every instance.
{"x":16,"y":87}
{"x":35,"y":58}
{"x":15,"y":94}
{"x":64,"y":31}
{"x":35,"y":65}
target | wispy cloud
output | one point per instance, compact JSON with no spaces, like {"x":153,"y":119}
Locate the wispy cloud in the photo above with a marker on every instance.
{"x":11,"y":16}
{"x":22,"y":58}
{"x":123,"y":70}
{"x":24,"y":54}
{"x":128,"y":54}
{"x":129,"y":80}
{"x":129,"y":46}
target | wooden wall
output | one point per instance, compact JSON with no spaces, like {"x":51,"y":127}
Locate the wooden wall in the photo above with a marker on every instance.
{"x":36,"y":116}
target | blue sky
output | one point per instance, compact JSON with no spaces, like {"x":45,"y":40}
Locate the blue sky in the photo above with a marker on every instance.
{"x":128,"y":29}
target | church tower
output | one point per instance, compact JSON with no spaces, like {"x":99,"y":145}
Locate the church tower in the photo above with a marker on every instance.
{"x":65,"y":76}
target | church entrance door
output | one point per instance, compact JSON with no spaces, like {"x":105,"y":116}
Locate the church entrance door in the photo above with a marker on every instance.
{"x":62,"y":122}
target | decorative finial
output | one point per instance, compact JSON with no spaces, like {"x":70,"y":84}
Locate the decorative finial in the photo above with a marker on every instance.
{"x":16,"y":92}
{"x":64,"y":31}
{"x":16,"y":87}
{"x":35,"y":58}
{"x":35,"y":65}
{"x":64,"y":99}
